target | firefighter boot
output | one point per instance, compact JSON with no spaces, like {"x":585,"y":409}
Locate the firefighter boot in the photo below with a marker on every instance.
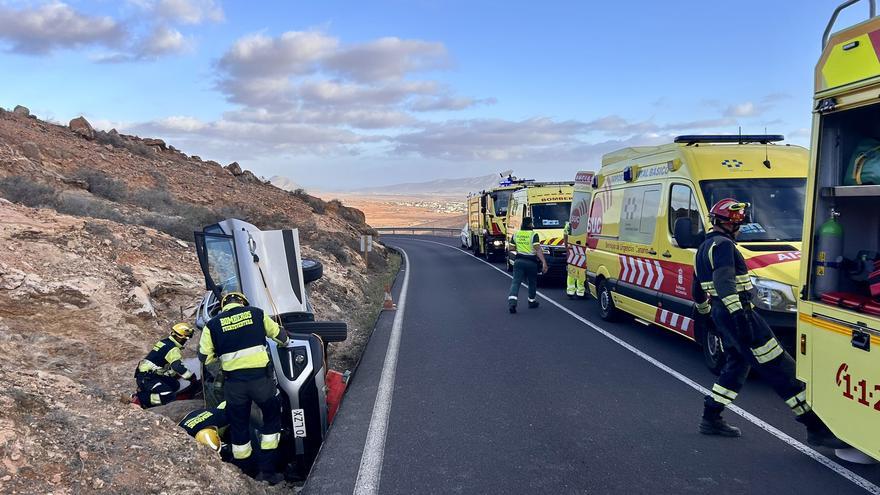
{"x":511,"y":306}
{"x":818,"y":434}
{"x":533,"y":304}
{"x":712,"y":422}
{"x":271,"y":478}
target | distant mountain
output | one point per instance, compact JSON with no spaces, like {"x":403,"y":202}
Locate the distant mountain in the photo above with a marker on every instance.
{"x":437,"y":187}
{"x":284,"y":183}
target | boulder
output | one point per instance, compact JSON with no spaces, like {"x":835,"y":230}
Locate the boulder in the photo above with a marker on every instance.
{"x":234,"y":168}
{"x":20,"y":110}
{"x":31,"y":150}
{"x":155,"y":142}
{"x":82,"y":127}
{"x":248,"y":176}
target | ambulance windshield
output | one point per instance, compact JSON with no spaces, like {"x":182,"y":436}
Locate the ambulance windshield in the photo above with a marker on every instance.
{"x":777,"y":211}
{"x":550,"y":215}
{"x":501,"y":199}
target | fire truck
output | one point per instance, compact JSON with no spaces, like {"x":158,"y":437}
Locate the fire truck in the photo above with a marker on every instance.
{"x":487,"y":217}
{"x":838,"y":341}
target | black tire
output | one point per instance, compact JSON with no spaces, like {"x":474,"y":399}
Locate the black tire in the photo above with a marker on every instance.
{"x":312,"y":270}
{"x":607,"y":310}
{"x":329,"y":331}
{"x":713,"y":349}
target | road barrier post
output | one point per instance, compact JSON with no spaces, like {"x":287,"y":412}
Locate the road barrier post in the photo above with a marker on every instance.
{"x":388,"y":304}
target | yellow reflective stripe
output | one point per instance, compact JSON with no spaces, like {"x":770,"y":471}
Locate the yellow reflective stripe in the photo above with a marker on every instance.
{"x":704,"y":307}
{"x":251,"y":357}
{"x":768,"y":351}
{"x":709,"y":252}
{"x":269,"y":442}
{"x":242,"y":451}
{"x":221,"y":405}
{"x":743,"y":278}
{"x":726,"y":392}
{"x":743,"y":287}
{"x":173,"y":355}
{"x":147,"y":366}
{"x":800,"y":397}
{"x":732,"y":303}
{"x":801,"y":409}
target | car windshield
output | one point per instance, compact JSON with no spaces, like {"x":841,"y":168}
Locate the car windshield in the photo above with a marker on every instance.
{"x":550,"y":215}
{"x":777,"y":206}
{"x":222,"y":265}
{"x":501,"y":199}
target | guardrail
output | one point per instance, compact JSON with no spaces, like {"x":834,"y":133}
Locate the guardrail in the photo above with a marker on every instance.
{"x":436,"y":231}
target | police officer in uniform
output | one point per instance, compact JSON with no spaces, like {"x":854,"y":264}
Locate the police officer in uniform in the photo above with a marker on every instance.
{"x":237,"y":337}
{"x":722,"y":290}
{"x":525,"y":266}
{"x":574,"y":285}
{"x":157,"y":373}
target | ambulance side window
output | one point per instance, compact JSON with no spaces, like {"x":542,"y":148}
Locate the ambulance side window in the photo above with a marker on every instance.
{"x":638,"y":217}
{"x":683,"y":204}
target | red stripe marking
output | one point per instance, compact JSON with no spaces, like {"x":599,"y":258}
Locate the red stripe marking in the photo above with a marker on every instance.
{"x":772,"y":259}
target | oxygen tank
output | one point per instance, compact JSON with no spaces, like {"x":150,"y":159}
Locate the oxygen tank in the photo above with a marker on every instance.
{"x":829,"y":256}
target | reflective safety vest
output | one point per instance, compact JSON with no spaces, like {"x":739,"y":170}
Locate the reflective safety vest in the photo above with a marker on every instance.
{"x":720,"y":272}
{"x":525,"y":241}
{"x":164,"y":359}
{"x":205,"y":418}
{"x":237,"y":337}
{"x":567,"y":229}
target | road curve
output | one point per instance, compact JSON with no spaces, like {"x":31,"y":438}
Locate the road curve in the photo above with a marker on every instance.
{"x":539,"y":402}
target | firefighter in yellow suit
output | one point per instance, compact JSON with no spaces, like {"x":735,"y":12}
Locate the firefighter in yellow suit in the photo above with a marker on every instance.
{"x":575,"y":286}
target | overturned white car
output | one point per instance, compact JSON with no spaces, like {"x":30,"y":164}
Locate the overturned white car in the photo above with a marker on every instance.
{"x":266,"y":266}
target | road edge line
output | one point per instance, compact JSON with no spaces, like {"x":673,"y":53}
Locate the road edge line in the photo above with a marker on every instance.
{"x":370,"y":470}
{"x":751,"y":418}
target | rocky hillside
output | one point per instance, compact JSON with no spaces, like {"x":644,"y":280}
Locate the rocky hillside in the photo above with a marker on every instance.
{"x":96,"y":261}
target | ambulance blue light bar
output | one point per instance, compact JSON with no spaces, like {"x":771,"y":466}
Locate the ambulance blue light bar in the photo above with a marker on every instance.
{"x":729,"y":138}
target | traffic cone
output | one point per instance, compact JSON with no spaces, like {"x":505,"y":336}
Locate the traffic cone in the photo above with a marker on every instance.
{"x":389,"y":303}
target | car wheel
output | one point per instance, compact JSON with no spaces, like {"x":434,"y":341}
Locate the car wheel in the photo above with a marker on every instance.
{"x":713,"y":349}
{"x":312,"y":270}
{"x":607,"y":310}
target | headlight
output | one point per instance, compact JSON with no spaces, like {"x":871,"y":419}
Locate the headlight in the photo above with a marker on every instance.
{"x":497,"y":243}
{"x":773,"y":296}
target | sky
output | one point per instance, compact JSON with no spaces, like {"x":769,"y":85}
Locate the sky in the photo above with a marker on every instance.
{"x":338,"y":95}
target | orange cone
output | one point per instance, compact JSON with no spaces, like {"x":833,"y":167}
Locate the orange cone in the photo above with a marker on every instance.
{"x":389,"y":303}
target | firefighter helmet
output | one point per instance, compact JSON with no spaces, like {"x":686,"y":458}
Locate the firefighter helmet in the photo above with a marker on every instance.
{"x":231,"y":297}
{"x":182,"y":330}
{"x":729,"y":210}
{"x":209,"y":436}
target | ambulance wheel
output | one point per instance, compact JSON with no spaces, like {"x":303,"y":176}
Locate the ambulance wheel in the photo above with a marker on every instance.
{"x":713,"y":350}
{"x":607,"y":310}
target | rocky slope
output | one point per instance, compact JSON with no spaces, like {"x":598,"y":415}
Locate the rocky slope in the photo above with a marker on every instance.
{"x":95,"y":270}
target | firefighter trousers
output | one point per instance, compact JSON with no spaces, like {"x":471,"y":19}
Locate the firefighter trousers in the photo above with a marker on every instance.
{"x":761,"y":351}
{"x":574,"y":286}
{"x":155,"y":390}
{"x":524,"y":269}
{"x":239,"y":394}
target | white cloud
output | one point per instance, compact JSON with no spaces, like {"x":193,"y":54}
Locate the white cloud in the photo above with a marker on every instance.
{"x":189,"y":11}
{"x":41,"y":30}
{"x":161,"y":41}
{"x":388,"y":58}
{"x":746,"y":109}
{"x":292,"y":53}
{"x":447,"y":102}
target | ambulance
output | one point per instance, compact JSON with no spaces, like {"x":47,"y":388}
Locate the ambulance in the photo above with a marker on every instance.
{"x":549,"y":206}
{"x":650,"y":212}
{"x":838,"y":343}
{"x":487,"y":216}
{"x":578,"y":220}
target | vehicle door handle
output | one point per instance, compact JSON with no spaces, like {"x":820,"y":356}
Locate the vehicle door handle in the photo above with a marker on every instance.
{"x":861,"y":340}
{"x":652,"y":252}
{"x":667,"y":254}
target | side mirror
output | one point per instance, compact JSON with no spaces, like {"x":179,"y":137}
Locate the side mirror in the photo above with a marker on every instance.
{"x":684,"y":235}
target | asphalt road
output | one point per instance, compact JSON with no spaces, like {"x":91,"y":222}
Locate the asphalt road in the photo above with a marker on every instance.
{"x":540,"y":402}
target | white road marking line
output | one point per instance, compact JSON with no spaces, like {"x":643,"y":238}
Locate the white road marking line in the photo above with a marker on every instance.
{"x":370,"y":471}
{"x":760,"y":423}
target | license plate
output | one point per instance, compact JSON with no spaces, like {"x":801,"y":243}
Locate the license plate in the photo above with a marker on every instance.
{"x":299,"y":423}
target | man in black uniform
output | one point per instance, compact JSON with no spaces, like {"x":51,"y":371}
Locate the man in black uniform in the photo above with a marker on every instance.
{"x":722,"y":287}
{"x":237,"y":337}
{"x":157,"y":373}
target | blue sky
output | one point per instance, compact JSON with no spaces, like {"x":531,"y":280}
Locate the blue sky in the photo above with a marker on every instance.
{"x":339,"y":94}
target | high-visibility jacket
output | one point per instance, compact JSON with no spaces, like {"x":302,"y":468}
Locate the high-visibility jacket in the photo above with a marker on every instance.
{"x":525,"y":240}
{"x":205,"y":418}
{"x":567,"y":229}
{"x":720,"y":272}
{"x":165,"y":360}
{"x":237,"y":337}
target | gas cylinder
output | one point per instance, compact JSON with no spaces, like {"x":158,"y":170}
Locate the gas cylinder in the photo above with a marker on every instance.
{"x":829,"y":256}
